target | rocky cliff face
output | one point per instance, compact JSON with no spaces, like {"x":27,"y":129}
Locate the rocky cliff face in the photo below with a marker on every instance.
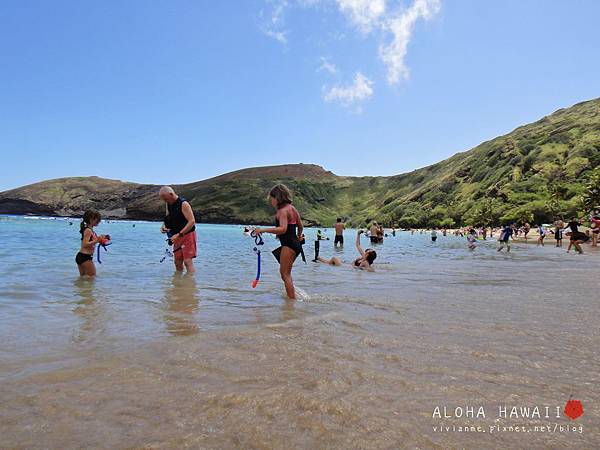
{"x":72,"y":196}
{"x":116,"y":199}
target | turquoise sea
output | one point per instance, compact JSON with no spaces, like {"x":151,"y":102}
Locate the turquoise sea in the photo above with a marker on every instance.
{"x":141,"y":357}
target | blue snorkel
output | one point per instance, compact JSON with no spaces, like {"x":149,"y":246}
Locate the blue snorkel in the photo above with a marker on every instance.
{"x":258,"y":240}
{"x":102,"y":243}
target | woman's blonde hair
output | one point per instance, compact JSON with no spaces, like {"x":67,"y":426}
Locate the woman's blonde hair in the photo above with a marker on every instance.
{"x":282,"y":194}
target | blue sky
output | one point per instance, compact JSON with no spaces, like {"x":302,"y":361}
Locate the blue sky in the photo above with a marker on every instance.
{"x":173,"y":91}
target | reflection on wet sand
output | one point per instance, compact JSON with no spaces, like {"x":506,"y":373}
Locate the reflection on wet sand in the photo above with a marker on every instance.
{"x":288,"y":310}
{"x":88,"y":309}
{"x":181,"y":304}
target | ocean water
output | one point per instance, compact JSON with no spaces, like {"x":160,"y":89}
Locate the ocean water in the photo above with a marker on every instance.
{"x":143,"y":358}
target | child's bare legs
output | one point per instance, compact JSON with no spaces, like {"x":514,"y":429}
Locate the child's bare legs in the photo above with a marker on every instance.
{"x":286,"y":261}
{"x":87,"y":268}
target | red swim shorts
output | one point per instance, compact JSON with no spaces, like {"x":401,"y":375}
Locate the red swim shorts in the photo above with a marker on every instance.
{"x":186,"y":247}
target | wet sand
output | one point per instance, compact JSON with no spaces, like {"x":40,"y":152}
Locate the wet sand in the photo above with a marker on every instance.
{"x":361,"y":362}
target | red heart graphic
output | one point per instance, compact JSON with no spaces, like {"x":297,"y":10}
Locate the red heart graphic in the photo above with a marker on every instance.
{"x":573,"y":409}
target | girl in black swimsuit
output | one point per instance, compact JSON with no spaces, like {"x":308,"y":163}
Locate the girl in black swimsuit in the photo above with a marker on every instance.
{"x":288,"y":229}
{"x":364,"y":261}
{"x":89,"y":239}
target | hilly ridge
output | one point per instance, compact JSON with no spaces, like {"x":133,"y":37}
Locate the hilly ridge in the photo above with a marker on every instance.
{"x":536,"y":172}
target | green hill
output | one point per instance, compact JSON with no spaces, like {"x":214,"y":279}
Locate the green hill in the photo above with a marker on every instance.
{"x":534,"y":173}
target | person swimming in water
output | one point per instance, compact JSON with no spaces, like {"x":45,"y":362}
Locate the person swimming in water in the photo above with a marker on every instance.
{"x":364,"y":261}
{"x":89,"y":239}
{"x":289,"y":230}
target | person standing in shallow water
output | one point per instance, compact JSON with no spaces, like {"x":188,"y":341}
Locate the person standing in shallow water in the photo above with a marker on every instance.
{"x":505,"y":235}
{"x":526,"y":229}
{"x":339,"y":233}
{"x":542,"y":234}
{"x":373,"y":231}
{"x":576,"y":237}
{"x":289,"y":230}
{"x":434,"y":235}
{"x":180,"y":227}
{"x":89,"y":239}
{"x":558,"y":231}
{"x":595,"y":225}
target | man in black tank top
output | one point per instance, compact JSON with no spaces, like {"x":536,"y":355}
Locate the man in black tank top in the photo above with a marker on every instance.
{"x":180,"y":227}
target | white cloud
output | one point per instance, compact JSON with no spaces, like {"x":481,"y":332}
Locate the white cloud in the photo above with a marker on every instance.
{"x":327,"y":66}
{"x":273,"y":25}
{"x":364,"y":14}
{"x":279,"y":36}
{"x":360,"y":90}
{"x":401,"y":27}
{"x":392,"y":24}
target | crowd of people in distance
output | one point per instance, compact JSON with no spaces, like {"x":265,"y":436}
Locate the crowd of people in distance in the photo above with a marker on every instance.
{"x":558,"y":229}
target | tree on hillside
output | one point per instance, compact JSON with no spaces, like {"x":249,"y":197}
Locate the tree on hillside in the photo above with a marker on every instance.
{"x":486,"y":214}
{"x":591,"y":195}
{"x":408,"y":221}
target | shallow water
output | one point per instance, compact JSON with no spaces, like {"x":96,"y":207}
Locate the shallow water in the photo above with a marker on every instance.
{"x":140,"y":358}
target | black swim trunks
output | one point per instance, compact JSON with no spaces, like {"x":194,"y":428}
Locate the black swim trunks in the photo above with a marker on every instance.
{"x":339,"y":239}
{"x":83,"y":257}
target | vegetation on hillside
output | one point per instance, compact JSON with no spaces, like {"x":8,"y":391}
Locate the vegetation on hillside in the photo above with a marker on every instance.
{"x":534,"y":174}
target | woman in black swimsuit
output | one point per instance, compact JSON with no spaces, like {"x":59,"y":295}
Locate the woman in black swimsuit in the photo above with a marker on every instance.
{"x":576,"y":237}
{"x":89,"y":239}
{"x":288,"y":229}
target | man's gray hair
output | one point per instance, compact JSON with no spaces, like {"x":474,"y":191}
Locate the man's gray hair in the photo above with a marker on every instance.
{"x":166,"y":190}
